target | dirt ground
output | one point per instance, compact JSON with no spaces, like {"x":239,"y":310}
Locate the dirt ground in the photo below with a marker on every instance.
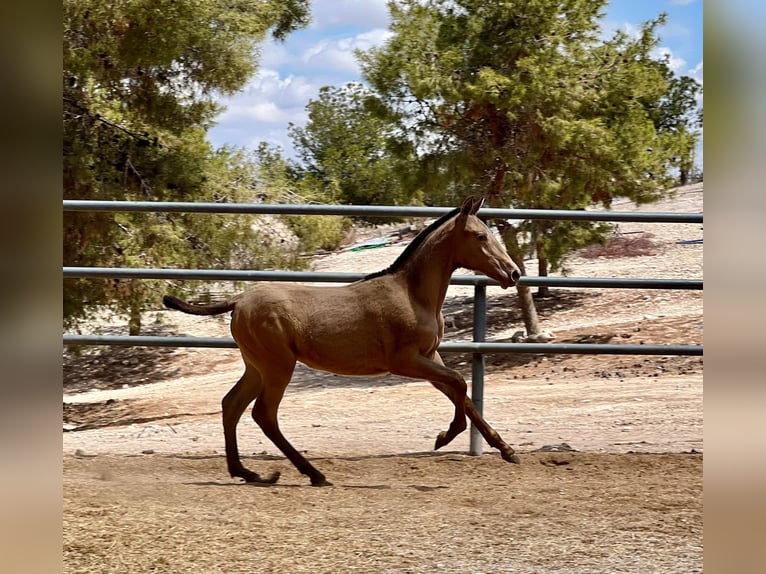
{"x":146,"y":488}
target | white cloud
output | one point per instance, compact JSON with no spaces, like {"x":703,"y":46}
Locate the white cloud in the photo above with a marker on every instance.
{"x":263,"y":109}
{"x":338,"y":55}
{"x":274,"y":54}
{"x":290,"y":75}
{"x":696,"y":72}
{"x":332,"y":56}
{"x":269,"y":88}
{"x":263,"y":112}
{"x":336,"y":13}
{"x":682,"y":2}
{"x":373,"y":38}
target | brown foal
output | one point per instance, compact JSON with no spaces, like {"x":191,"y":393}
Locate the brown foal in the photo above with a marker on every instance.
{"x":388,"y":322}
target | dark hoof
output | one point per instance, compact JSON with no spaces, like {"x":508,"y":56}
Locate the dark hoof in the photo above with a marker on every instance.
{"x":441,"y":440}
{"x":320,"y":481}
{"x":511,"y":457}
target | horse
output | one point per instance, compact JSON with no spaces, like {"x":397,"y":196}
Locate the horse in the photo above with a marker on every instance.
{"x":389,"y":322}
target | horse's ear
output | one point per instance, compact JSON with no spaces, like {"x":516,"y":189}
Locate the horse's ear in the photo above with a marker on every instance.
{"x":471,"y":205}
{"x":467,"y":206}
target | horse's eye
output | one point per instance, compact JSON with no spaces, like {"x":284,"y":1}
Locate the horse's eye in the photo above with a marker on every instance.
{"x":481,"y":237}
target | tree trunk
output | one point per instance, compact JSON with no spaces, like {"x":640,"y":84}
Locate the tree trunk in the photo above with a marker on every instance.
{"x":526,"y":302}
{"x":542,"y":271}
{"x":134,"y":320}
{"x":135,"y":305}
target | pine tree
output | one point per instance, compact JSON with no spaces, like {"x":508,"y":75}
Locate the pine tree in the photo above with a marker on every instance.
{"x":140,"y":78}
{"x":346,"y":147}
{"x":523,"y":102}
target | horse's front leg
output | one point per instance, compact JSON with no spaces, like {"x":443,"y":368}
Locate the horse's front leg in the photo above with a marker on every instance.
{"x":447,"y":380}
{"x":490,"y":435}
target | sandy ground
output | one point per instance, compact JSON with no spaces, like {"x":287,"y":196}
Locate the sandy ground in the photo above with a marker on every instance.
{"x":146,"y":489}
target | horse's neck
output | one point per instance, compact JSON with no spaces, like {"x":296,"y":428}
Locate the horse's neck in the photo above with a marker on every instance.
{"x":429,"y":270}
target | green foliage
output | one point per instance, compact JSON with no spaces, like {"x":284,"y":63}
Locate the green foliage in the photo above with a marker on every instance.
{"x":283,"y":181}
{"x":678,"y":115}
{"x":139,"y":80}
{"x":346,"y":147}
{"x":318,"y":232}
{"x":523,"y":102}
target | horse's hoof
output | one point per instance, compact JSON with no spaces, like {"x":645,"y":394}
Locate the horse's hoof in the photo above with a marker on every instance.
{"x":254,"y":478}
{"x":320,"y":482}
{"x":246,"y":475}
{"x":514,"y":458}
{"x":441,"y":440}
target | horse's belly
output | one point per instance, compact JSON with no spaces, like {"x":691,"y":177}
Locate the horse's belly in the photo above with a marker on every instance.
{"x":347,"y":368}
{"x":344,"y":357}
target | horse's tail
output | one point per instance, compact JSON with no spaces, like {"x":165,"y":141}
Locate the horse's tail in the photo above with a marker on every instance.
{"x":216,"y":309}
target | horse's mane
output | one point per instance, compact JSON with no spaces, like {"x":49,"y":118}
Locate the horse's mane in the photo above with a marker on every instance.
{"x":413,"y":246}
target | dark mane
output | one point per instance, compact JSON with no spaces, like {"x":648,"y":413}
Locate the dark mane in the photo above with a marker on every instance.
{"x":413,"y":246}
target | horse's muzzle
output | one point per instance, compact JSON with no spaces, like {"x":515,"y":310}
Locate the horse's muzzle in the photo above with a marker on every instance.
{"x":511,"y":277}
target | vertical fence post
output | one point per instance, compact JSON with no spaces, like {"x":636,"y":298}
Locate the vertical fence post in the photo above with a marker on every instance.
{"x":477,"y":365}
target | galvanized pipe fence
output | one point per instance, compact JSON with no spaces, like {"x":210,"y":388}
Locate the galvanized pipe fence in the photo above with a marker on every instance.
{"x":477,"y":348}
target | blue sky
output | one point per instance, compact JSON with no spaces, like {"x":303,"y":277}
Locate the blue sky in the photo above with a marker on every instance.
{"x":292,"y":72}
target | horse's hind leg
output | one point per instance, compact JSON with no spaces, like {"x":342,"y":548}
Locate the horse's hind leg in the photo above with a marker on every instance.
{"x":234,"y":404}
{"x":265,"y":410}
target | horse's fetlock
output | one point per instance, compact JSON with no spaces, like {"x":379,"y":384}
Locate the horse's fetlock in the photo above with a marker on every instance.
{"x":457,"y":426}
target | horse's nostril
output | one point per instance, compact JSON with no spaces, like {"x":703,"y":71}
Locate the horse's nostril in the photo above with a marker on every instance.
{"x":515,"y":275}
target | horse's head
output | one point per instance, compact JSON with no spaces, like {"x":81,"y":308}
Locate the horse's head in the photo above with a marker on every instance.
{"x":478,"y":249}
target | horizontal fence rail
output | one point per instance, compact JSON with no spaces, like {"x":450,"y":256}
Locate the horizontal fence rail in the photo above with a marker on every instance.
{"x":458,"y":347}
{"x":477,"y":348}
{"x":324,"y":277}
{"x":373,"y":210}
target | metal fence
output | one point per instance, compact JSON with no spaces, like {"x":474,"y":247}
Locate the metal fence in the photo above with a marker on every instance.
{"x":478,"y":347}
